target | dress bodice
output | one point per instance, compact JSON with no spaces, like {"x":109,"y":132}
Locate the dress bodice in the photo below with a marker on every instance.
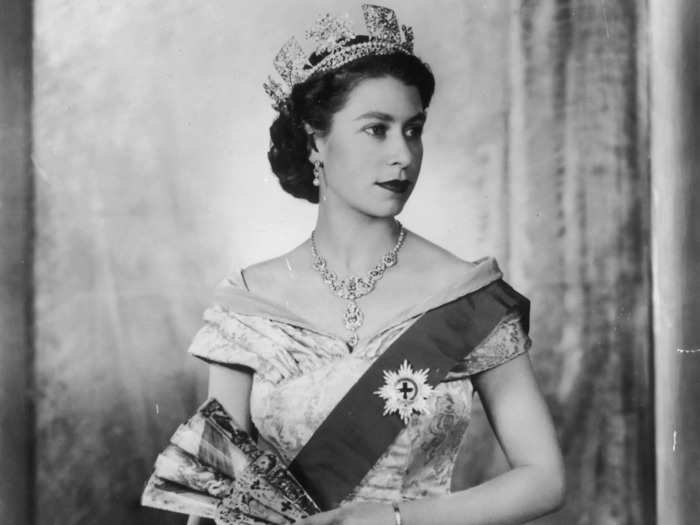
{"x":300,"y":373}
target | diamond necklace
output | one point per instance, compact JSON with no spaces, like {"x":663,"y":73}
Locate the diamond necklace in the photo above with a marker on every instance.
{"x":352,"y":288}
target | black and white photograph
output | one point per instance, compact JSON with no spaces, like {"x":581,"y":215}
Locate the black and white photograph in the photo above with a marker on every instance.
{"x":344,"y":263}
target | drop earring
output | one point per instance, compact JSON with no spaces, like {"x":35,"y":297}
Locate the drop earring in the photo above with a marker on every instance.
{"x":318,"y":166}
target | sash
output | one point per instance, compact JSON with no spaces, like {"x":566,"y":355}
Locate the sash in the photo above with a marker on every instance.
{"x":355,"y":434}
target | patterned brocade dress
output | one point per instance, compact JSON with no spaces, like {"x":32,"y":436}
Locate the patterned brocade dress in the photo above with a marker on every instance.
{"x":301,"y":373}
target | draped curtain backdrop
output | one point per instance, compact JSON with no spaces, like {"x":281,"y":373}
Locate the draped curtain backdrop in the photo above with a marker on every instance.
{"x":579,"y":186}
{"x":149,"y":184}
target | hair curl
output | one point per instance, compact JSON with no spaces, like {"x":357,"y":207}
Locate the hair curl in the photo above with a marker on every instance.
{"x":316,"y":100}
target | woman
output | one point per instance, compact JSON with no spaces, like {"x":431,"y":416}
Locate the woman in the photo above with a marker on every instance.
{"x":292,"y":347}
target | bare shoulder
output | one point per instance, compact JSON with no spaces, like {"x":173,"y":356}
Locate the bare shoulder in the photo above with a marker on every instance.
{"x":429,"y":258}
{"x":269,"y":276}
{"x":262,"y":275}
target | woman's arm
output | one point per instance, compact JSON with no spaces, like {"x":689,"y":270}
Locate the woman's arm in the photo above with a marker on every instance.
{"x":231,"y":386}
{"x":533,"y":487}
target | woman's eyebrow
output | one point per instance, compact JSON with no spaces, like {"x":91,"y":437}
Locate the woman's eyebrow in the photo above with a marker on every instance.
{"x":386,"y":117}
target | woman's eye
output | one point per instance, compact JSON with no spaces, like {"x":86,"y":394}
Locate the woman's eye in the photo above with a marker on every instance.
{"x":378,"y":130}
{"x":415,"y":131}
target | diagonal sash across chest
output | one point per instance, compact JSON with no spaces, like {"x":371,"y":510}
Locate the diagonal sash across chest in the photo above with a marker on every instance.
{"x":356,"y":433}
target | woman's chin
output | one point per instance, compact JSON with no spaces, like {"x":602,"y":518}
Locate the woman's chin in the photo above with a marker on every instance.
{"x":387,"y":209}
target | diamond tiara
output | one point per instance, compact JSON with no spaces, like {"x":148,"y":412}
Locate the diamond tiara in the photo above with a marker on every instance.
{"x":333,"y":36}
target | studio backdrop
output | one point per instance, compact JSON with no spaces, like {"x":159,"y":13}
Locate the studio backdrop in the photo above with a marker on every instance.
{"x":151,"y":184}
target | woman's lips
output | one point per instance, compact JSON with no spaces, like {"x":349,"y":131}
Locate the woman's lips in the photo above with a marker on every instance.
{"x":395,"y":185}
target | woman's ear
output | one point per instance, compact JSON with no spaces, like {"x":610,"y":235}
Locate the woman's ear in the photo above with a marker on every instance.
{"x":311,"y":137}
{"x":313,"y":142}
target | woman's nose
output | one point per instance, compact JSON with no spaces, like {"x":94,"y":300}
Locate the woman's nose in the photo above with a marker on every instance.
{"x":401,"y":152}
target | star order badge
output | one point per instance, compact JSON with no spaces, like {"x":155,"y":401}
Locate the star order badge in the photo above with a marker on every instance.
{"x":405,"y":390}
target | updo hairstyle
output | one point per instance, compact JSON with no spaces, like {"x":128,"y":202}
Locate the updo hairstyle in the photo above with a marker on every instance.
{"x":316,"y":100}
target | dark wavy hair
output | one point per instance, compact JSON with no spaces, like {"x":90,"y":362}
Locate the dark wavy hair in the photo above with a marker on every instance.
{"x":316,"y":100}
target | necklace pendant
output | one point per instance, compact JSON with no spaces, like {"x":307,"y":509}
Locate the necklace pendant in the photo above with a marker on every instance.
{"x":354,"y":287}
{"x":353,"y":316}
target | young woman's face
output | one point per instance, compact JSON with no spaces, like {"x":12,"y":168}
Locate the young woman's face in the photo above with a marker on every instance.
{"x":374,"y":139}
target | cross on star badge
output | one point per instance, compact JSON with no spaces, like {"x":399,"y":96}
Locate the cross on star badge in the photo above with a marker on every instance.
{"x":405,"y":391}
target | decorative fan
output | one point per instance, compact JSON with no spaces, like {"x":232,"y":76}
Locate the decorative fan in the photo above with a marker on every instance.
{"x":214,"y":469}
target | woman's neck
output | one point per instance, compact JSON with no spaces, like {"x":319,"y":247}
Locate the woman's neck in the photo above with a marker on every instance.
{"x":351,"y":242}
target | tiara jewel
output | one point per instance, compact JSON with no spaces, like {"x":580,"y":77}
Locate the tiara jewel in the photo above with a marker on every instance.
{"x":381,"y":23}
{"x":333,"y":37}
{"x":330,"y":32}
{"x":290,"y":61}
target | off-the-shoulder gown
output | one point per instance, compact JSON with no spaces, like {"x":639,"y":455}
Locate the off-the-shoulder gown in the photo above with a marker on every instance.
{"x":301,"y":372}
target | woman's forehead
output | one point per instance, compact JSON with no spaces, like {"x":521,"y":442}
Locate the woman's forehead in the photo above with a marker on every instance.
{"x":386,"y":95}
